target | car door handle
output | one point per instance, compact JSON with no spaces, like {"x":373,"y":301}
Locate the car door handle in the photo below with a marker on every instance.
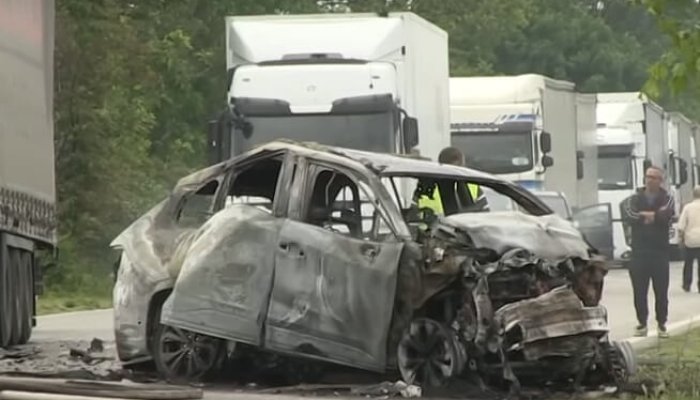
{"x":370,"y":251}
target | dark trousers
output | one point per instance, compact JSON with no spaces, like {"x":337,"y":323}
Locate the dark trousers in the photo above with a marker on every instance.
{"x":650,"y":266}
{"x":691,"y":254}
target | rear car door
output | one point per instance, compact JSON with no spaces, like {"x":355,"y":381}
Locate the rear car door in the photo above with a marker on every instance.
{"x":334,"y":285}
{"x":595,"y":224}
{"x":224,"y":286}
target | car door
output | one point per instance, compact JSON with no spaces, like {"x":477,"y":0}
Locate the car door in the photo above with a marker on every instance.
{"x":226,"y":277}
{"x":333,"y":291}
{"x":595,"y":224}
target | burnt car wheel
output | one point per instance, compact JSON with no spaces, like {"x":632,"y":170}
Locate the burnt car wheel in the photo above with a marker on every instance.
{"x":429,"y":354}
{"x":181,"y":355}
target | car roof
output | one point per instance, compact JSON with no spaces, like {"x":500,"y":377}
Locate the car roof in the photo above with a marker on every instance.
{"x":381,"y":163}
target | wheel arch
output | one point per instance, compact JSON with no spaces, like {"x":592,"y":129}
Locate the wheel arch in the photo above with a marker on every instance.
{"x":154,"y":307}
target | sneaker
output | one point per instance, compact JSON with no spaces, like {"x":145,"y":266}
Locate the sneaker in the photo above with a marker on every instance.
{"x":663,"y":333}
{"x":640,"y":330}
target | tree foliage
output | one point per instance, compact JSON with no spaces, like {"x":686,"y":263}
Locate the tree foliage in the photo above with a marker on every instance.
{"x":678,"y":70}
{"x":137,"y":81}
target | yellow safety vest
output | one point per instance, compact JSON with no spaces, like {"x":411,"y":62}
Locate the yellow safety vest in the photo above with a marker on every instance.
{"x":435,"y":203}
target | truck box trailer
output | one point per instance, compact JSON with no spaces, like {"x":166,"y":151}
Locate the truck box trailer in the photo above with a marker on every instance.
{"x":27,"y":181}
{"x":355,"y":80}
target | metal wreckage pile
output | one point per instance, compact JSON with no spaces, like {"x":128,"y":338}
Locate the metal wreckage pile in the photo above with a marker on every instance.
{"x":493,"y":310}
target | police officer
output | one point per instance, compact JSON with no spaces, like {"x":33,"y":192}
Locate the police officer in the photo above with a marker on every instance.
{"x":453,"y":156}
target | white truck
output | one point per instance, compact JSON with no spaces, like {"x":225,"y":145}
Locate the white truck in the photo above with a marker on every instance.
{"x":361,"y":81}
{"x":633,"y":133}
{"x":530,"y":129}
{"x":538,"y":132}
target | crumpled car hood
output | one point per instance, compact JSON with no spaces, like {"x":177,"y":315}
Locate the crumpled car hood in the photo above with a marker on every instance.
{"x":548,"y":237}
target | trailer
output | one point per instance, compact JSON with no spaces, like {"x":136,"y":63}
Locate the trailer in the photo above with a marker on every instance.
{"x":27,"y":181}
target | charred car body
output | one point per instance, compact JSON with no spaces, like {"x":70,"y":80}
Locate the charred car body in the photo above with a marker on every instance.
{"x":319,"y":252}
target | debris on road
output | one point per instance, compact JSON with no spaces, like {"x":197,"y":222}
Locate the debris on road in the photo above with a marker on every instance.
{"x":18,"y":353}
{"x":99,"y":389}
{"x":389,"y":389}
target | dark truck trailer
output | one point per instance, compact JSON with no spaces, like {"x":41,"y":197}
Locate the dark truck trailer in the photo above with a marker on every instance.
{"x":27,"y":176}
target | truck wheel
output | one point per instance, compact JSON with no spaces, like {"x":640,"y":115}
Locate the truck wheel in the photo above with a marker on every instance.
{"x":26,"y":296}
{"x":6,"y":303}
{"x":13,"y":268}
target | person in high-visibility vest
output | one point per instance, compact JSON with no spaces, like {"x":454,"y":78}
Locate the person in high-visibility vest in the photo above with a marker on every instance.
{"x":453,"y":156}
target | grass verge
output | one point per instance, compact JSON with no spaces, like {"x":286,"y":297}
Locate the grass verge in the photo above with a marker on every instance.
{"x":52,"y":303}
{"x":671,"y":369}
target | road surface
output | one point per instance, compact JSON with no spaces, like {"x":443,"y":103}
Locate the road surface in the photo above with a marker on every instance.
{"x":78,"y":328}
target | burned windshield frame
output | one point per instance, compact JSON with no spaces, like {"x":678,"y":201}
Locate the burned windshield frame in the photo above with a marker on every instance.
{"x":526,"y":201}
{"x":488,"y":155}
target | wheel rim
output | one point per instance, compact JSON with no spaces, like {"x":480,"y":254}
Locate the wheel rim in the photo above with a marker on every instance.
{"x":426,"y":354}
{"x":187,"y":355}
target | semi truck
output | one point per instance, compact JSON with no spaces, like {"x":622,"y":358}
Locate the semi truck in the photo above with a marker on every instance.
{"x":634,"y":133}
{"x":27,"y":185}
{"x":360,"y":81}
{"x":530,"y":129}
{"x":538,"y":132}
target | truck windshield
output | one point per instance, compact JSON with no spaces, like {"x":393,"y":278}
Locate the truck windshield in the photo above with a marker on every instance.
{"x":372,"y":131}
{"x":614,"y":172}
{"x":497,"y":153}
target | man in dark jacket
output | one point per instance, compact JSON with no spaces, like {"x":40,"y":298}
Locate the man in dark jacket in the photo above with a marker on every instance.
{"x":648,"y":214}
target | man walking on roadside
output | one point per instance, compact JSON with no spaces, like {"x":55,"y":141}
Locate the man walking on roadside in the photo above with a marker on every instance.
{"x":648,"y":213}
{"x":689,"y":234}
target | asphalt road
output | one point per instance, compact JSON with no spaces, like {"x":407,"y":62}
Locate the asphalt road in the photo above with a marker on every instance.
{"x":617,"y":297}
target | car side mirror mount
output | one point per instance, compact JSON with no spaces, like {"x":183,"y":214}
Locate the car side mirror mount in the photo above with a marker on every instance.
{"x":545,"y":142}
{"x":410,"y":133}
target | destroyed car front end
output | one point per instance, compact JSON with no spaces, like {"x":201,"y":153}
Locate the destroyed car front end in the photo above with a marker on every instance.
{"x":524,"y":306}
{"x":321,"y":253}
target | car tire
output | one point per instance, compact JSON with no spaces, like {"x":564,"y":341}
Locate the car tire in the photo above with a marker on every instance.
{"x":429,"y":354}
{"x":182,"y":356}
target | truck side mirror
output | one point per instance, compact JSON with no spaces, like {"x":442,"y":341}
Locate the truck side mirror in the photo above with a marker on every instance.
{"x":410,"y":132}
{"x":579,"y":164}
{"x":683,"y":172}
{"x":545,"y":142}
{"x":547,"y":161}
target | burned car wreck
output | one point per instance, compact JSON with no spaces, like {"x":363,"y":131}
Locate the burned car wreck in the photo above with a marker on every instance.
{"x":322,"y":253}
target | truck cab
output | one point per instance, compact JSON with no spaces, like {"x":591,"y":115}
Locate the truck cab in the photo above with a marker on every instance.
{"x":359,"y":81}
